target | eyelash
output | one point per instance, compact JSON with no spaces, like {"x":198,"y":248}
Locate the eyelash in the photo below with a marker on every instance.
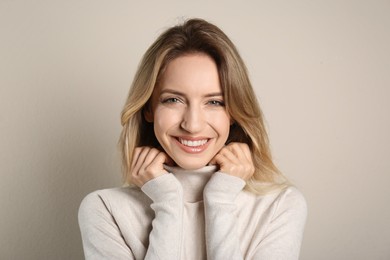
{"x":216,"y":103}
{"x":177,"y":100}
{"x":170,"y":100}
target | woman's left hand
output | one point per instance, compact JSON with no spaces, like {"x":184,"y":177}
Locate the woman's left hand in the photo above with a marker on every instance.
{"x":235,"y":159}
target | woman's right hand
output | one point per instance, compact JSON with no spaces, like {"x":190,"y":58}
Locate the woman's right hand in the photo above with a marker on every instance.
{"x":148,"y":164}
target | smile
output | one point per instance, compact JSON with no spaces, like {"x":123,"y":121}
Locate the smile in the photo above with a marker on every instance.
{"x":193,"y":143}
{"x":193,"y":146}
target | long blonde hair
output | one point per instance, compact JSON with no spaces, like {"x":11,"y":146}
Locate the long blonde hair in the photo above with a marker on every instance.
{"x":199,"y":36}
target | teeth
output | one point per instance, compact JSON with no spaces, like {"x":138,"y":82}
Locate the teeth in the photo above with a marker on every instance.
{"x":193,"y":143}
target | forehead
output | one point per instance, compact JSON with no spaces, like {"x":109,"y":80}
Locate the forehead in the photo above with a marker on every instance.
{"x":193,"y":73}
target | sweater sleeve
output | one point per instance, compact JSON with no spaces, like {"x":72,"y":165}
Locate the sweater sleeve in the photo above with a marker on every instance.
{"x":283,"y":235}
{"x":165,"y":239}
{"x":101,"y":236}
{"x":221,"y":221}
{"x":282,"y":240}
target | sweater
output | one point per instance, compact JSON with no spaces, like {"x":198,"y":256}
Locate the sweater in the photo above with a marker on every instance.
{"x":202,"y":214}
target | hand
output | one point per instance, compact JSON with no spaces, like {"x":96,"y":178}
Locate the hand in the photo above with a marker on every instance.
{"x":235,"y":159}
{"x":148,"y":164}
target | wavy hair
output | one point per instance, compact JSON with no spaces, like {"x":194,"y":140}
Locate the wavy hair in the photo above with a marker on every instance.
{"x":200,"y":36}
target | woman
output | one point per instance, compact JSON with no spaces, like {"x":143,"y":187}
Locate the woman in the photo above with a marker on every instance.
{"x":196,"y":156}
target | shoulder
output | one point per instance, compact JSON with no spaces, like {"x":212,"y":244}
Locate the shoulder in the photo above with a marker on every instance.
{"x":291,"y":197}
{"x":289,"y":200}
{"x":110,"y":201}
{"x":291,"y":204}
{"x":108,"y":196}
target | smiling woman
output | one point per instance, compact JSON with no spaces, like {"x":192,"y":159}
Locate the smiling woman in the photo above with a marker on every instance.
{"x":202,"y":184}
{"x":190,"y":121}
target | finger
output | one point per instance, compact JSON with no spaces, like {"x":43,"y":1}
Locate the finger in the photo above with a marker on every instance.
{"x":233,"y":160}
{"x":229,"y":155}
{"x":241,"y":151}
{"x":213,"y":161}
{"x":247,"y":152}
{"x":235,"y":149}
{"x":150,"y":157}
{"x":152,"y":166}
{"x":140,"y":161}
{"x":249,"y":168}
{"x":164,"y":158}
{"x":138,"y":158}
{"x":159,"y":160}
{"x":136,"y":154}
{"x":168,"y":160}
{"x":220,"y":160}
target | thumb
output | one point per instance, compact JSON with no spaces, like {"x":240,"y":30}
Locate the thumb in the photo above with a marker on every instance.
{"x":213,"y":161}
{"x":169,"y":161}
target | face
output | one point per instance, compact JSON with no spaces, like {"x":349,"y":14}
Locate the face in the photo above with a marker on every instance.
{"x":188,"y":111}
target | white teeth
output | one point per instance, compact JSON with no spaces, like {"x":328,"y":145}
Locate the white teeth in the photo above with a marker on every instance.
{"x":193,"y":143}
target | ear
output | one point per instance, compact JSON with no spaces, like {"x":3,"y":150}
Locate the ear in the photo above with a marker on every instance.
{"x":148,"y":114}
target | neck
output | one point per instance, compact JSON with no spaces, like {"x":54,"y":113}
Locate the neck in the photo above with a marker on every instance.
{"x":192,"y":181}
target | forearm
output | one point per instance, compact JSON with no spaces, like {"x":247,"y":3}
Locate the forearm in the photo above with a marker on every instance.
{"x":283,"y":237}
{"x":222,"y":240}
{"x":165,"y":239}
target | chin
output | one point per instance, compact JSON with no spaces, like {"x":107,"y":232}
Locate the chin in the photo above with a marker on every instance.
{"x":191,"y":166}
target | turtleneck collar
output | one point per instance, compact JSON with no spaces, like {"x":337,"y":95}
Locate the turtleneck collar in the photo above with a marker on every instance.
{"x":192,"y":181}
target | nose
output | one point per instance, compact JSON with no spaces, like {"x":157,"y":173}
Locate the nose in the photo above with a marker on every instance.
{"x":193,"y":120}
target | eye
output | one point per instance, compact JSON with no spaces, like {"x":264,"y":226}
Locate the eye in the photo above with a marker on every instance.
{"x":170,"y":100}
{"x":216,"y":103}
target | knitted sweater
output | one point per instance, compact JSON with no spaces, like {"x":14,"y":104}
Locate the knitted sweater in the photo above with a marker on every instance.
{"x":184,"y":214}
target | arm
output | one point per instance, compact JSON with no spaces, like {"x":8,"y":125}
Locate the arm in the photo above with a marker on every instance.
{"x":101,"y":236}
{"x":282,"y":240}
{"x":283,"y":237}
{"x":220,"y":216}
{"x":236,"y":166}
{"x":165,"y":239}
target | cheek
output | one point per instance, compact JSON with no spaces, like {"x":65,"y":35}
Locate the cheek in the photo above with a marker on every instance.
{"x":221,"y":124}
{"x":165,"y":119}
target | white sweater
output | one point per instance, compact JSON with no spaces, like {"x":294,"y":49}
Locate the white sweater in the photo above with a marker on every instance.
{"x":187,"y":215}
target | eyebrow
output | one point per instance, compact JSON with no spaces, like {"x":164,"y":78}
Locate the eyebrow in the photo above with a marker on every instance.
{"x":175,"y":92}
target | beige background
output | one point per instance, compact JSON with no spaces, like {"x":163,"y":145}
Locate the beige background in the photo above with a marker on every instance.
{"x":320,"y":68}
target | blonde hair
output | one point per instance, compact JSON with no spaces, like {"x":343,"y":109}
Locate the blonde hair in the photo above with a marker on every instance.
{"x":199,"y":36}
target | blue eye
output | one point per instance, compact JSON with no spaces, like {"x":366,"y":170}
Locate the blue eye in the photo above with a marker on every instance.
{"x":216,"y":103}
{"x":170,"y":100}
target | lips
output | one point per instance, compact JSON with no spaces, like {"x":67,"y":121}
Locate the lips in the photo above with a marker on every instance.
{"x":193,"y":145}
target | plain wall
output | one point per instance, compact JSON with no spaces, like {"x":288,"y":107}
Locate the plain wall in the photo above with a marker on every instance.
{"x":321,"y":70}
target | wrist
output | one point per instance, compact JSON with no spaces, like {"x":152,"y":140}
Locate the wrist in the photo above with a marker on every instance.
{"x":163,"y":188}
{"x":223,"y":187}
